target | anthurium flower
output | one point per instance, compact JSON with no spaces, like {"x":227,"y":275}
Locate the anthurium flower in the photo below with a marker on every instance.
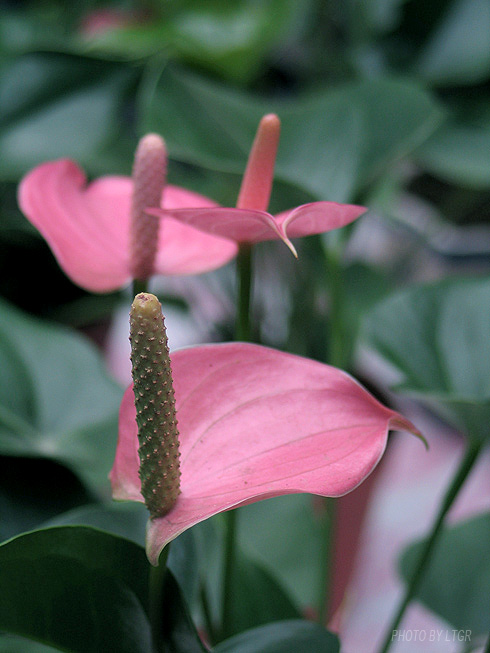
{"x":252,"y":423}
{"x":99,"y":231}
{"x":250,"y":222}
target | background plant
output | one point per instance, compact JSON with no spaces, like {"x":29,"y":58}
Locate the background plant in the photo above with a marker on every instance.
{"x":384,"y":104}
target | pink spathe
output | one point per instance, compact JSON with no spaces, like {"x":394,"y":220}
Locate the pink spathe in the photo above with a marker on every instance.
{"x":87,"y":227}
{"x":256,"y":423}
{"x":253,"y":226}
{"x":250,"y":222}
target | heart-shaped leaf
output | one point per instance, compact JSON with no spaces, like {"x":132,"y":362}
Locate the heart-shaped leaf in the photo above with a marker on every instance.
{"x":56,"y":105}
{"x":459,"y":153}
{"x":81,"y":589}
{"x":56,"y":400}
{"x":437,"y":338}
{"x":332,"y":143}
{"x":63,"y":586}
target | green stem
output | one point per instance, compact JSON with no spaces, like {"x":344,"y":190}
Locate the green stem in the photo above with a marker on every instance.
{"x":242,"y":334}
{"x":327,"y":528}
{"x":459,"y":478}
{"x":338,"y":356}
{"x":229,"y":565}
{"x":206,"y":613}
{"x":139,"y":285}
{"x":244,"y":293}
{"x":156,"y":585}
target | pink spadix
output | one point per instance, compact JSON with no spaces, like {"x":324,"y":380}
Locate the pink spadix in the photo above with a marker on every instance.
{"x":250,"y":222}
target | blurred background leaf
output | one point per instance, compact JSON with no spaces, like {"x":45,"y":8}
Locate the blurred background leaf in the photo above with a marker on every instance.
{"x":57,"y":401}
{"x":333,"y":142}
{"x":457,"y":583}
{"x":435,"y":338}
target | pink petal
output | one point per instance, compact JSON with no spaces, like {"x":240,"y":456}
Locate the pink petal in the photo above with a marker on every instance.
{"x":317,"y":218}
{"x":257,"y":423}
{"x":240,"y":225}
{"x":87,"y":227}
{"x":250,"y":226}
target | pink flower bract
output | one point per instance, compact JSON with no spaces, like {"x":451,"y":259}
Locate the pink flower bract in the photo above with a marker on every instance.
{"x":87,"y":227}
{"x":249,"y":222}
{"x":256,"y":423}
{"x":252,"y":226}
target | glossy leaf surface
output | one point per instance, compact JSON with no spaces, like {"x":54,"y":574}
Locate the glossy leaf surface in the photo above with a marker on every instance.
{"x":436,"y":338}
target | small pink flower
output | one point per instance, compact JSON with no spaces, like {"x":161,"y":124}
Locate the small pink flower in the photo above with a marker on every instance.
{"x":256,"y":423}
{"x":250,"y":222}
{"x":91,"y":227}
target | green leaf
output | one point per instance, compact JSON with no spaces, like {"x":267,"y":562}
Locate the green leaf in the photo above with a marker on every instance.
{"x":456,"y":585}
{"x":56,"y":399}
{"x":56,"y":106}
{"x":459,"y":153}
{"x":284,"y":534}
{"x":125,"y":519}
{"x":180,"y":633}
{"x":458,"y":51}
{"x":283,"y":637}
{"x":13,"y":644}
{"x":436,"y":337}
{"x":257,"y":597}
{"x":129,"y":520}
{"x":27,"y":500}
{"x":64,"y":586}
{"x":333,"y":142}
{"x":230,"y":39}
{"x":81,"y":589}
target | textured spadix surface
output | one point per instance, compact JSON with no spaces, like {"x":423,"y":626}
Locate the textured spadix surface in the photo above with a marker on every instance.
{"x":87,"y":227}
{"x":155,"y":406}
{"x":256,"y":423}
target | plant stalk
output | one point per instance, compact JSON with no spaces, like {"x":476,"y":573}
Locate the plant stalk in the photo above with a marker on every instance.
{"x":156,"y":585}
{"x":242,"y":334}
{"x":452,"y":492}
{"x":244,"y":293}
{"x":139,"y":285}
{"x":324,"y":594}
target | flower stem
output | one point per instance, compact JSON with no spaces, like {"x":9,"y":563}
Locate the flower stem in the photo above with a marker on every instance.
{"x":459,"y":478}
{"x":243,"y":334}
{"x":338,"y":354}
{"x":229,"y":565}
{"x":207,"y":613}
{"x":244,"y":276}
{"x":156,"y":585}
{"x":139,"y":285}
{"x":338,"y":357}
{"x":327,"y":517}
